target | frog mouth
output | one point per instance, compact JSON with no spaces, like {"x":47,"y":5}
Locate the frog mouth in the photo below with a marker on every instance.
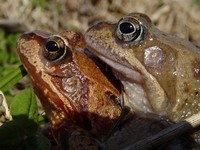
{"x":105,"y":69}
{"x":132,"y":87}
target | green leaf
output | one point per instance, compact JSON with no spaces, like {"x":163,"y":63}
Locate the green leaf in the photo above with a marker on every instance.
{"x":10,"y":135}
{"x":21,"y":133}
{"x":41,"y":120}
{"x":15,"y":132}
{"x":12,"y":78}
{"x":25,"y":104}
{"x":36,"y":142}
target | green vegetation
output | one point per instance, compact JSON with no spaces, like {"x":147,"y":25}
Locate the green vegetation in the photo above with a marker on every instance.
{"x":8,"y":81}
{"x":8,"y":54}
{"x":197,"y":2}
{"x":22,"y":133}
{"x":9,"y":62}
{"x":40,"y":3}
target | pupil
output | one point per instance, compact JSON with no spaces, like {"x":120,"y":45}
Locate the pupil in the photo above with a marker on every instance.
{"x":51,"y":46}
{"x":126,"y":27}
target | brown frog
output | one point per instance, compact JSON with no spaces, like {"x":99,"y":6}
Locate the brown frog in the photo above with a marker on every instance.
{"x":160,"y":73}
{"x":75,"y":94}
{"x":77,"y":97}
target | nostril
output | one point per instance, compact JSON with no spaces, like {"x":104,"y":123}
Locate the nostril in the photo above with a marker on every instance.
{"x":31,"y":35}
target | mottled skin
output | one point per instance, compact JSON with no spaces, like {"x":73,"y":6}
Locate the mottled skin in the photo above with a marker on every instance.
{"x":74,"y":92}
{"x":160,"y":72}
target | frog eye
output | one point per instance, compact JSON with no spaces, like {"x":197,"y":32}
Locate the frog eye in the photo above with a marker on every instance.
{"x":55,"y":49}
{"x":129,"y":30}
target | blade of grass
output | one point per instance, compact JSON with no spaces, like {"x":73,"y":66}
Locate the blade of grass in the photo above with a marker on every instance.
{"x":12,"y":78}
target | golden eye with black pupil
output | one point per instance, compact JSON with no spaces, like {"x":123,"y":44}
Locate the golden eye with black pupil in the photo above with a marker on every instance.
{"x":55,"y":49}
{"x":129,"y":30}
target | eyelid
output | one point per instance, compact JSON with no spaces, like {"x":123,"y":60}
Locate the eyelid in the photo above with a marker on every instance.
{"x":134,"y":36}
{"x":54,"y":55}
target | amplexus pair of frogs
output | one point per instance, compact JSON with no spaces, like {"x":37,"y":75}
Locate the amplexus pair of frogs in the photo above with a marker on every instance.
{"x":159,"y":76}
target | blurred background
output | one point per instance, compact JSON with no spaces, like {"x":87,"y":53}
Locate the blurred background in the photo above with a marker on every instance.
{"x":173,"y":16}
{"x":177,"y":17}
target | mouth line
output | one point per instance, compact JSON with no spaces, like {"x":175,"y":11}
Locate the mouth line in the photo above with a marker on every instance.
{"x":129,"y":79}
{"x":105,"y":69}
{"x":121,"y":70}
